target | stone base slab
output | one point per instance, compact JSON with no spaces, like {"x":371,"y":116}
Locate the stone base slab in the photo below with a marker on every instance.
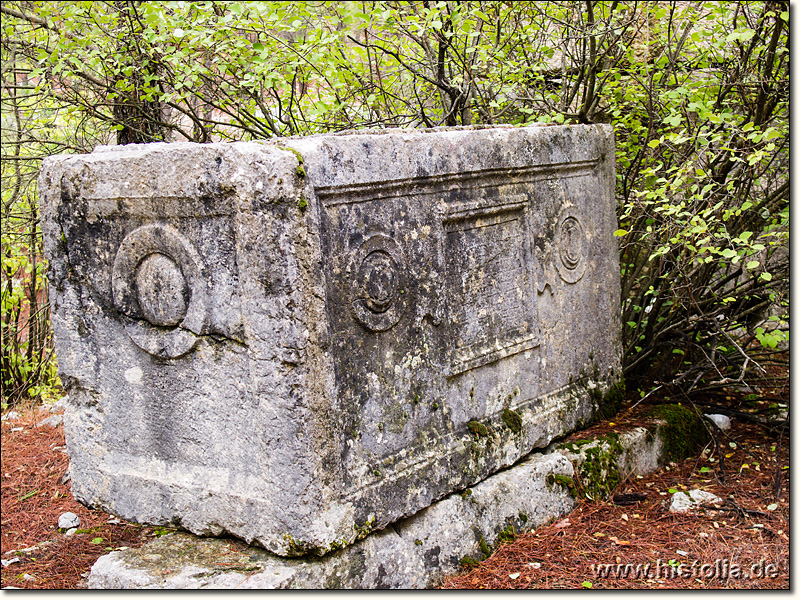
{"x":416,"y":552}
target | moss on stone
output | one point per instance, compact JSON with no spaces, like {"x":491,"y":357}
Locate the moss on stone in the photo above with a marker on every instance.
{"x":599,"y":471}
{"x":562,"y":480}
{"x":297,"y":548}
{"x":485,"y":548}
{"x":337,"y":545}
{"x":611,"y":401}
{"x":468,"y":561}
{"x":301,"y":172}
{"x":303,"y":203}
{"x":364,"y":530}
{"x":597,"y":467}
{"x":684,"y":431}
{"x":293,"y":151}
{"x":509,"y":534}
{"x":478,"y":429}
{"x":512,"y":420}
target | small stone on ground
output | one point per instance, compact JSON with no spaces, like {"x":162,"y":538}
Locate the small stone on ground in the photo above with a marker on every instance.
{"x":68,"y":520}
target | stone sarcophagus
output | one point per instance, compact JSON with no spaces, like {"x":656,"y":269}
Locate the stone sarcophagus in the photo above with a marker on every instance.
{"x":303,"y":341}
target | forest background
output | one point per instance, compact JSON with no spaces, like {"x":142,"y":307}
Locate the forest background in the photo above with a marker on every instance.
{"x":697,"y":92}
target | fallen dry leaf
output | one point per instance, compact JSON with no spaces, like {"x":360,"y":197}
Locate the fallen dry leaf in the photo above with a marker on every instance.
{"x":562,"y":523}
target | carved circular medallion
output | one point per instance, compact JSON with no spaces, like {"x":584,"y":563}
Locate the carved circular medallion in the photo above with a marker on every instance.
{"x":157,"y":284}
{"x":378,"y":279}
{"x":162,"y":292}
{"x":571,"y":245}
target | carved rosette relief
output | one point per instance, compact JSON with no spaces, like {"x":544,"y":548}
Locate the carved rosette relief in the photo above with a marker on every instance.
{"x":157,"y":284}
{"x":571,"y":245}
{"x":378,"y":278}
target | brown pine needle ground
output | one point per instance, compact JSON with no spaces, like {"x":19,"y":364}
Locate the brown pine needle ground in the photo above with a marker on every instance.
{"x":754,"y":530}
{"x":32,"y":463}
{"x":744,"y":546}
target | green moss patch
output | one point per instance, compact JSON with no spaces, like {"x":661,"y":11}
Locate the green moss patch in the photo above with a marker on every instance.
{"x":485,"y":548}
{"x":562,"y":480}
{"x":596,"y":463}
{"x":509,"y":534}
{"x":512,"y":420}
{"x":478,"y":429}
{"x":612,"y":400}
{"x":599,"y":471}
{"x":468,"y":561}
{"x":684,"y":432}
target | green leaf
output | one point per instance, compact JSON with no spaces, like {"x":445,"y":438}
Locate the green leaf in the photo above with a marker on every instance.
{"x":620,"y":232}
{"x":766,"y":276}
{"x":587,"y":585}
{"x":29,"y":495}
{"x":97,"y":540}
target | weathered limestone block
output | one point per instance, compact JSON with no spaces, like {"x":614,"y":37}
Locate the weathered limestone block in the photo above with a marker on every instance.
{"x":301,"y":342}
{"x":412,"y":553}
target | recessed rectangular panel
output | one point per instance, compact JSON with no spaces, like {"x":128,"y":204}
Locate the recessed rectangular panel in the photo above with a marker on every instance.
{"x":490,"y":300}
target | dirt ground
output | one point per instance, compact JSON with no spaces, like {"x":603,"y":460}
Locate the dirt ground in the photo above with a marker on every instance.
{"x":742,"y":544}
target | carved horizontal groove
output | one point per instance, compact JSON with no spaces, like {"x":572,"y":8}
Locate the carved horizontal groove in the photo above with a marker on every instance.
{"x":481,"y":208}
{"x":477,"y":356}
{"x":333,"y":195}
{"x":404,"y":463}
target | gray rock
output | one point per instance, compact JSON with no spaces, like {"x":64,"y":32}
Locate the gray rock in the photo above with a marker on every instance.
{"x":685,"y":502}
{"x":68,"y":520}
{"x":703,"y":497}
{"x":413,"y":553}
{"x":11,"y":415}
{"x":52,"y":421}
{"x":9,"y":562}
{"x":71,"y":531}
{"x":681,"y":503}
{"x":299,"y":343}
{"x":721,"y":421}
{"x":59,"y":405}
